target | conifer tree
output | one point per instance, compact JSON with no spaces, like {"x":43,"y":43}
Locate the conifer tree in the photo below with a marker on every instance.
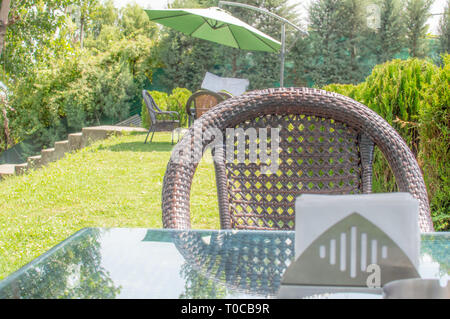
{"x":390,"y":37}
{"x":417,"y":14}
{"x":337,"y":31}
{"x":444,"y":30}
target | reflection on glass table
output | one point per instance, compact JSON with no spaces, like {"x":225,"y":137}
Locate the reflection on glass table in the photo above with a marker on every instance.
{"x":162,"y":263}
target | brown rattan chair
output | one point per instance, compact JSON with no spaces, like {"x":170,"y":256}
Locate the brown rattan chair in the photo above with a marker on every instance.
{"x":200,"y":102}
{"x":225,"y":94}
{"x":158,"y":125}
{"x":326,"y":146}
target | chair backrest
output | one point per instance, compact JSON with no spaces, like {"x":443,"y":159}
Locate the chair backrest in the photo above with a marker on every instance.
{"x":151,"y":105}
{"x":202,"y":101}
{"x":326,"y":144}
{"x":225,"y":94}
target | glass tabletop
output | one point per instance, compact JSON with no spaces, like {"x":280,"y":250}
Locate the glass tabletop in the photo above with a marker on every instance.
{"x":164,"y":263}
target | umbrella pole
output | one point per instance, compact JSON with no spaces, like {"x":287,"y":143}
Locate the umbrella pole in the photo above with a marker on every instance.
{"x":283,"y":30}
{"x":283,"y":52}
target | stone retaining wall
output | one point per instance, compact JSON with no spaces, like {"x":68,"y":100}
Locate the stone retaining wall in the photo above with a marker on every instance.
{"x":74,"y":142}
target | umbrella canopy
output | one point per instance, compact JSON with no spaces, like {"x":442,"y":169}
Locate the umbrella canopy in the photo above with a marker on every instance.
{"x":216,"y":25}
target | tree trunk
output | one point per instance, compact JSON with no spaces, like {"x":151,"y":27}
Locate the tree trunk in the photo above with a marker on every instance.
{"x":81,"y":30}
{"x":4,"y":12}
{"x":7,"y":133}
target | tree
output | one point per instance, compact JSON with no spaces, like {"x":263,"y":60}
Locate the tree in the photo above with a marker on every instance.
{"x":355,"y":33}
{"x":135,"y":21}
{"x":5,"y":21}
{"x":390,"y":37}
{"x":99,"y":84}
{"x":417,"y":14}
{"x":105,"y":15}
{"x":444,"y":30}
{"x":35,"y":37}
{"x":336,"y":33}
{"x":28,"y":37}
{"x":84,"y":11}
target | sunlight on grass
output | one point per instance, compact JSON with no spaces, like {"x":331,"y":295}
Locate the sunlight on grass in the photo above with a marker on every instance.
{"x":113,"y":183}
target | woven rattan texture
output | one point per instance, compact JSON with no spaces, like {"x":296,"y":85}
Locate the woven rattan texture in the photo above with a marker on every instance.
{"x":287,"y":106}
{"x":315,"y":155}
{"x":202,"y":101}
{"x":244,"y":262}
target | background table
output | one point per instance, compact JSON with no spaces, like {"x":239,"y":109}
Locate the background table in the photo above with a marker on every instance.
{"x":163,"y":263}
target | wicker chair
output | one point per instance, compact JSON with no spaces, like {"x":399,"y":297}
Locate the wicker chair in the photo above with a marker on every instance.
{"x":200,"y":102}
{"x":226,"y":95}
{"x":154,"y":111}
{"x":326,"y":146}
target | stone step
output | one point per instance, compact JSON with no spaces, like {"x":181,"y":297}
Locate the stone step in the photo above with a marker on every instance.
{"x":21,"y":168}
{"x":61,"y":147}
{"x":75,"y":141}
{"x":6,"y":170}
{"x":48,"y":156}
{"x":34,"y":161}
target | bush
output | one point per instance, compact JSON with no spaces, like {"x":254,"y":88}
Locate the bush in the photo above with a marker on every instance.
{"x":434,"y":154}
{"x":173,"y":102}
{"x":413,"y":97}
{"x":39,"y":107}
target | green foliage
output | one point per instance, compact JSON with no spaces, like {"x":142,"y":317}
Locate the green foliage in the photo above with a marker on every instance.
{"x":135,"y":22}
{"x":444,"y":30}
{"x":413,"y":97}
{"x":390,"y":37}
{"x":71,"y":94}
{"x":349,"y":90}
{"x":393,"y":90}
{"x":96,"y":85}
{"x":38,"y":113}
{"x":417,"y":14}
{"x":338,"y":35}
{"x":176,"y":101}
{"x":33,"y":41}
{"x":434,"y":134}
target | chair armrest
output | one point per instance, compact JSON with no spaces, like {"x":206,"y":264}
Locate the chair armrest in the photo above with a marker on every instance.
{"x":172,"y":113}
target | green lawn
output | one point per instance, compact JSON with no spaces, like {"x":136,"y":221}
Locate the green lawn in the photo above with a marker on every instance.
{"x":113,"y":183}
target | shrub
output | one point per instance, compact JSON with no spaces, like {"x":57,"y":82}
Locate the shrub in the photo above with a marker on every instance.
{"x":434,"y":154}
{"x":413,"y":97}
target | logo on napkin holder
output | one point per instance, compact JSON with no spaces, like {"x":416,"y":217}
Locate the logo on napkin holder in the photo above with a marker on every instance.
{"x":353,"y":255}
{"x":341,"y":255}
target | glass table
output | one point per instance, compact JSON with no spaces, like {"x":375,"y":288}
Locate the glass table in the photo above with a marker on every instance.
{"x":164,"y":263}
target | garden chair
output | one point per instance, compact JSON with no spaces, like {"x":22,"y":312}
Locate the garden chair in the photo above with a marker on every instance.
{"x":200,"y":102}
{"x":326,"y":147}
{"x":225,"y":94}
{"x":158,"y":125}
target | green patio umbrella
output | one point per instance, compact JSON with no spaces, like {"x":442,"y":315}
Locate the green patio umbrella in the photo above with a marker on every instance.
{"x":216,"y":25}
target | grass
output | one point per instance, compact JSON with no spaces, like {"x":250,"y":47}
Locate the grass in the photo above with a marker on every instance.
{"x":113,"y":183}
